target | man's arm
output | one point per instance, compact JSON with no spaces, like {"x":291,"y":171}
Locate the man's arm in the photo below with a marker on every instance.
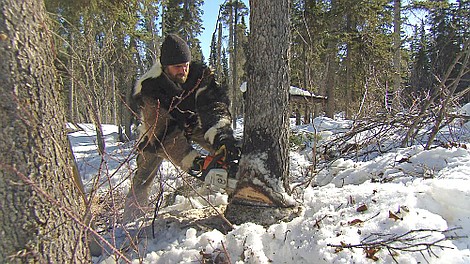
{"x":212,"y":105}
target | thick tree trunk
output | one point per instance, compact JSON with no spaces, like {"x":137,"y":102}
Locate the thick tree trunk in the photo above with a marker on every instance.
{"x":40,"y":203}
{"x":264,"y":166}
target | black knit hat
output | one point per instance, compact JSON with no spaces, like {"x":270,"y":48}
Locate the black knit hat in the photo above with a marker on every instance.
{"x":174,"y":51}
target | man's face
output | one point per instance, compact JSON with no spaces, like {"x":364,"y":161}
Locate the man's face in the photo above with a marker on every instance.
{"x":178,"y":72}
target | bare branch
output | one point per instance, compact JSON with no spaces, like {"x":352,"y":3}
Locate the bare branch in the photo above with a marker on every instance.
{"x":417,"y":240}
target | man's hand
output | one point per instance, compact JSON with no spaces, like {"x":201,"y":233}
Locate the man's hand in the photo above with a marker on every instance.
{"x":192,"y":121}
{"x":230,"y":150}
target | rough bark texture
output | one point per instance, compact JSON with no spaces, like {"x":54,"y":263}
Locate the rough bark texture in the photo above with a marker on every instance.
{"x":36,"y":166}
{"x":264,"y":166}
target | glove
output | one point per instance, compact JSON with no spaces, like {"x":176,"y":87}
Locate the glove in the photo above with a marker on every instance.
{"x":230,"y":150}
{"x":192,"y":121}
{"x":198,"y":164}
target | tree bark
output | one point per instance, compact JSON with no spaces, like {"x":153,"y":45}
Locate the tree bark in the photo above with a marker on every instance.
{"x":234,"y":66}
{"x":40,"y":202}
{"x":264,"y":166}
{"x":219,"y":50}
{"x":331,"y":64}
{"x":396,"y":56}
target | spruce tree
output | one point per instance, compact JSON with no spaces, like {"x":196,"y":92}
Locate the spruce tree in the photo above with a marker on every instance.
{"x":184,"y":18}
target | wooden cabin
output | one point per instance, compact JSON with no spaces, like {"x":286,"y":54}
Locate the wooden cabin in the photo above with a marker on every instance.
{"x":301,"y":103}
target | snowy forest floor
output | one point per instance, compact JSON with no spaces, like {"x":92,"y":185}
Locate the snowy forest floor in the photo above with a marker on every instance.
{"x":402,"y":205}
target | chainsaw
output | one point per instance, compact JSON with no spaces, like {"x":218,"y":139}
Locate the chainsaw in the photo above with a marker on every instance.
{"x":218,"y":173}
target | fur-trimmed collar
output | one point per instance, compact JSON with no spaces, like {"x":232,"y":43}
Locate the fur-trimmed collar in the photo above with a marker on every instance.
{"x":197,"y":71}
{"x":154,"y":72}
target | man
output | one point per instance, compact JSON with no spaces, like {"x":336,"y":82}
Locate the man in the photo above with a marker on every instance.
{"x":179,"y":103}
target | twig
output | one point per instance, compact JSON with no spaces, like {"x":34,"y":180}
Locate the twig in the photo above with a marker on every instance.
{"x":157,"y":208}
{"x":64,"y":209}
{"x":407,"y":242}
{"x":317,"y":221}
{"x":226,"y":252}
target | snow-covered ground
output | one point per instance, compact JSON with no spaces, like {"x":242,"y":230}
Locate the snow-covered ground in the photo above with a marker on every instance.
{"x":409,"y":205}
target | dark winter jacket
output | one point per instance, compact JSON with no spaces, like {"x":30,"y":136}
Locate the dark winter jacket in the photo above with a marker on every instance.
{"x":200,"y":95}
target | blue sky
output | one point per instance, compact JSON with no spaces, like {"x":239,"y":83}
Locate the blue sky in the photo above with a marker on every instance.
{"x":209,"y":18}
{"x":211,"y":11}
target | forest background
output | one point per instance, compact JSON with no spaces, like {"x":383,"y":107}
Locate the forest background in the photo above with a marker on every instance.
{"x":355,"y":53}
{"x":366,"y":57}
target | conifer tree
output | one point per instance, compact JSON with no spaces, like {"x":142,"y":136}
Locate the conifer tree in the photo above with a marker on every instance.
{"x":449,"y":31}
{"x":420,"y":72}
{"x":185,"y":19}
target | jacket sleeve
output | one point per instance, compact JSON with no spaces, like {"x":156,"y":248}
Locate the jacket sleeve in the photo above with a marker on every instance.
{"x":213,"y":108}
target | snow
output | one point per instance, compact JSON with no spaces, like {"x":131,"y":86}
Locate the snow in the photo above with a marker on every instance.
{"x":349,"y":203}
{"x":293,"y":90}
{"x":297,"y":91}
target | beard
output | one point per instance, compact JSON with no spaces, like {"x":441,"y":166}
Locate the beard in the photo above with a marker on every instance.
{"x":179,"y":78}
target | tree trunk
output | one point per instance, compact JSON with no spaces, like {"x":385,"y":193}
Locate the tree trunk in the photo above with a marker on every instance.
{"x":151,"y":16}
{"x":232,"y":59}
{"x":115,"y":99}
{"x":72,"y":90}
{"x":40,"y":210}
{"x":264,"y":165}
{"x":219,"y":51}
{"x":348,"y":68}
{"x":331,"y":65}
{"x":396,"y":98}
{"x":306,"y":78}
{"x":235,"y":66}
{"x":330,"y":82}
